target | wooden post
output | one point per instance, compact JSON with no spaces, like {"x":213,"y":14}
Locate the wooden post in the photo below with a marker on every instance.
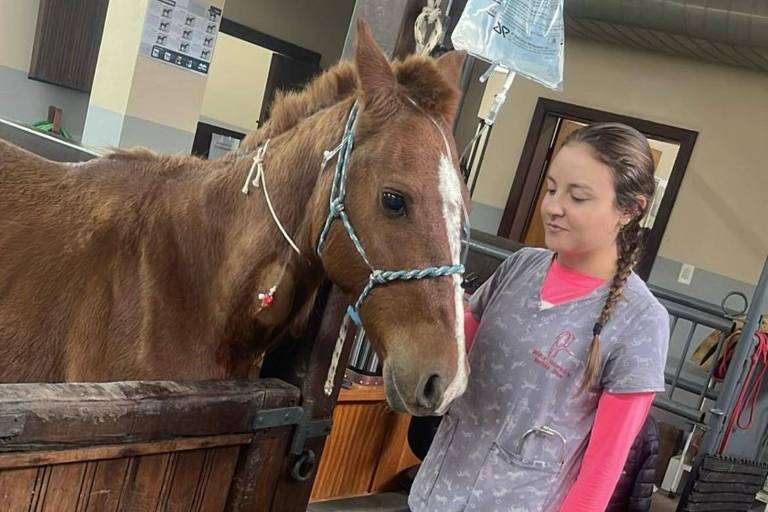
{"x":54,"y":117}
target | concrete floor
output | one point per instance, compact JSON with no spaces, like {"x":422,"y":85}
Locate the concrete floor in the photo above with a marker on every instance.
{"x":384,"y":502}
{"x":398,"y":502}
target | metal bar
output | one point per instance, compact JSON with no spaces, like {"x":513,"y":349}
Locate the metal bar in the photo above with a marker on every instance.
{"x":44,"y":144}
{"x":279,"y":417}
{"x":690,"y":386}
{"x":374,"y":365}
{"x":489,"y":250}
{"x":682,"y":359}
{"x":484,"y":141}
{"x":473,"y":151}
{"x":357,"y":347}
{"x":735,"y":374}
{"x":367,"y":361}
{"x":683,"y":411}
{"x":721,"y":323}
{"x":364,"y":355}
{"x":672,"y":323}
{"x":472,"y":145}
{"x":679,"y":298}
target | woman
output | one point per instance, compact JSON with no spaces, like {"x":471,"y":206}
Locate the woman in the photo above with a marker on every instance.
{"x":569,"y":348}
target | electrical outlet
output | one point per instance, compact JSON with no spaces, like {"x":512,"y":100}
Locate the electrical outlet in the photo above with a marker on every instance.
{"x":686,"y":274}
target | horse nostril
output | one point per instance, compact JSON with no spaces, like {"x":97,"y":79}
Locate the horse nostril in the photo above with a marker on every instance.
{"x":431,"y":392}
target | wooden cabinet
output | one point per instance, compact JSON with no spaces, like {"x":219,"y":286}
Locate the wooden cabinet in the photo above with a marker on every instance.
{"x":367,"y":448}
{"x":67,"y":42}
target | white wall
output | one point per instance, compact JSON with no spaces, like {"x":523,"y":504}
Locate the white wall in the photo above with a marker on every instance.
{"x":236,"y":83}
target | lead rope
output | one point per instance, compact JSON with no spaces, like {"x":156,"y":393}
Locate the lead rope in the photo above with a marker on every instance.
{"x":259,"y":181}
{"x":336,"y":356}
{"x":336,"y":209}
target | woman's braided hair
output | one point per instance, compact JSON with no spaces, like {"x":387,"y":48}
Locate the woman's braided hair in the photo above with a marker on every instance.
{"x":627,"y":153}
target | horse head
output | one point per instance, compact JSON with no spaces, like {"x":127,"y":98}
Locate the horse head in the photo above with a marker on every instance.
{"x":393,"y":241}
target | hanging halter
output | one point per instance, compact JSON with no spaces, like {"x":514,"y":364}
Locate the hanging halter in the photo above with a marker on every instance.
{"x":337,"y":211}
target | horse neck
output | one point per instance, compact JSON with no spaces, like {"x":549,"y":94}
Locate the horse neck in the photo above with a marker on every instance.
{"x":294,"y":180}
{"x":254,"y":247}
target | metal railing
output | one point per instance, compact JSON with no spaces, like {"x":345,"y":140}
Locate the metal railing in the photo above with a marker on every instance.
{"x":689,"y":317}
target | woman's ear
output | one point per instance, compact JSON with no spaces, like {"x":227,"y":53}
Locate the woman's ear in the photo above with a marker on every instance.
{"x":641,"y":203}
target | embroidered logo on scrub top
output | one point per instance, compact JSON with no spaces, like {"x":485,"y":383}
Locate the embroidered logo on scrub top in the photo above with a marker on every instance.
{"x":548,"y":360}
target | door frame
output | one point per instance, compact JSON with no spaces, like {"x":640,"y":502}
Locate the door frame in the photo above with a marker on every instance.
{"x":274,"y":44}
{"x":521,"y":202}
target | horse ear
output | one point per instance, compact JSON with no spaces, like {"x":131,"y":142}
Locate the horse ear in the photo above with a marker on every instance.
{"x":377,"y":79}
{"x":451,"y":65}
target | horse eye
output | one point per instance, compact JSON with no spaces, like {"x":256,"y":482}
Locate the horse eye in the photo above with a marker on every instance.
{"x":393,"y":203}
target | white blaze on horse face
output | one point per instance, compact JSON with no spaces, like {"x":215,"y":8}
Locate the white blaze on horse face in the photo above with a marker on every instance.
{"x":450,"y":190}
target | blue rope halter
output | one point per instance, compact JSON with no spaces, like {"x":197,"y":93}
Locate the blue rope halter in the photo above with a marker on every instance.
{"x":337,"y":211}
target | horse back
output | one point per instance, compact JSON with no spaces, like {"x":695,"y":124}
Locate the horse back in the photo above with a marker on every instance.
{"x":57,"y":247}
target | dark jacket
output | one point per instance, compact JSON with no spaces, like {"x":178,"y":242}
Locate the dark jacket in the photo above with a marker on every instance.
{"x":635,"y":487}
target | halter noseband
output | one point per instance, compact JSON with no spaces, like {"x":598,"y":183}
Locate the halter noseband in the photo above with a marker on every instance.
{"x":337,"y":211}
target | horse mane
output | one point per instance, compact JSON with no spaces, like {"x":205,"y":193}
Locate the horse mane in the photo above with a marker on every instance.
{"x":289,"y":108}
{"x":161,"y":163}
{"x":134,"y":153}
{"x":419,"y":78}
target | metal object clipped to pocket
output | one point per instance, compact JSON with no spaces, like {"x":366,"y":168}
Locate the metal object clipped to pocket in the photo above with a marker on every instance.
{"x":548,"y":432}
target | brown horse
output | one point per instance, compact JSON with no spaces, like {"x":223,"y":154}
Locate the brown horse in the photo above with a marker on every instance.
{"x":145,"y":266}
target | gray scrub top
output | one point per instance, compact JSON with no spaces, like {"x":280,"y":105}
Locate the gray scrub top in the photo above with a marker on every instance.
{"x":514,"y":441}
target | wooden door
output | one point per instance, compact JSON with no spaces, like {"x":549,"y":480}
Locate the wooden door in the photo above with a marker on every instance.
{"x":67,"y":42}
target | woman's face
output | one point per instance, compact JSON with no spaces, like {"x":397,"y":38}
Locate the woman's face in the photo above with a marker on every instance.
{"x":579,"y":208}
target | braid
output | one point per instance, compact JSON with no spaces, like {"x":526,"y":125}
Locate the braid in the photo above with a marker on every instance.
{"x":627,"y":154}
{"x":630,"y":242}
